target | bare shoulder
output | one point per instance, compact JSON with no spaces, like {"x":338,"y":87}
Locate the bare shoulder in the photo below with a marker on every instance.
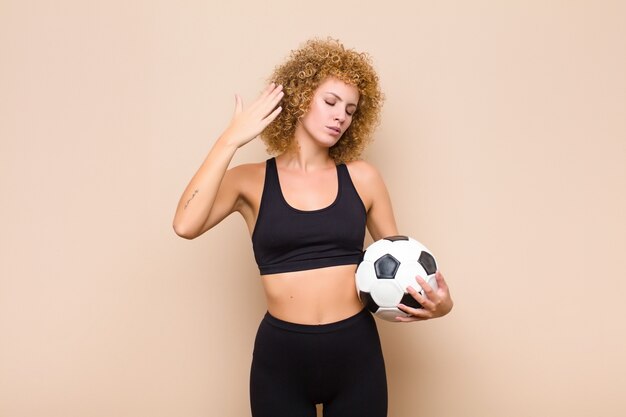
{"x":248,"y":179}
{"x":247,"y":172}
{"x":361,"y":170}
{"x":366,"y":179}
{"x":371,"y":187}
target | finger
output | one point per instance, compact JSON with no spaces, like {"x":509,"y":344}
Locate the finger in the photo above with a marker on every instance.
{"x":266,"y":102}
{"x":267,"y":110}
{"x":421,"y":281}
{"x":269,"y":103}
{"x":414,"y":312}
{"x":271,"y":86}
{"x":428,"y":290}
{"x":266,"y":92}
{"x":425,"y":303}
{"x":275,"y":90}
{"x":441,"y":282}
{"x":270,"y":117}
{"x":269,"y":91}
{"x":273,"y":99}
{"x":408,"y":319}
{"x":417,"y":296}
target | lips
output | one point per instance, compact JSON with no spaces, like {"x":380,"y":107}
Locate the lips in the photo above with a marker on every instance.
{"x":334,"y":129}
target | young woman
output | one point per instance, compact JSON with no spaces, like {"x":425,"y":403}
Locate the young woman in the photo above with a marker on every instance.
{"x":307,"y":209}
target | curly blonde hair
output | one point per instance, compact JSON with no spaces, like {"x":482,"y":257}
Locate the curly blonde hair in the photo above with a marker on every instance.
{"x":301,"y":74}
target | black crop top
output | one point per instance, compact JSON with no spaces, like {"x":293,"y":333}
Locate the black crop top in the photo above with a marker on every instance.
{"x":286,"y":239}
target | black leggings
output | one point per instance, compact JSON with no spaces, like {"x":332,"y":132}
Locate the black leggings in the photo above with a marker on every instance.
{"x":340,"y":365}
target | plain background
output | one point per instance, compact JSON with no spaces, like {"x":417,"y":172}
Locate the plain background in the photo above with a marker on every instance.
{"x":503,"y":145}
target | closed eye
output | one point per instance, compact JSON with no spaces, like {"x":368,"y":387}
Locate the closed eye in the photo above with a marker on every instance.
{"x":331,"y":103}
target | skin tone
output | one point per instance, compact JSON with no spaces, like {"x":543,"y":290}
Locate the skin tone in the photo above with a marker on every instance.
{"x":308,"y":181}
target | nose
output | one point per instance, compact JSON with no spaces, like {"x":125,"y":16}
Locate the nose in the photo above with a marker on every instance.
{"x":340,"y":116}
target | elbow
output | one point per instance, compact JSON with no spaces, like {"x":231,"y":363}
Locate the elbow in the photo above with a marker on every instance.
{"x":183,"y":231}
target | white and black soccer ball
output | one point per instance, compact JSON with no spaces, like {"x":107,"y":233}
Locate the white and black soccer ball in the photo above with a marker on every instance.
{"x":389,"y":266}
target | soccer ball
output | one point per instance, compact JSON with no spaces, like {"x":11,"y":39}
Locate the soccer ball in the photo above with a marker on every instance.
{"x":389,"y":266}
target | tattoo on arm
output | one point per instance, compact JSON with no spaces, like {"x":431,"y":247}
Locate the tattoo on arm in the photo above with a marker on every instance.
{"x":191,"y":198}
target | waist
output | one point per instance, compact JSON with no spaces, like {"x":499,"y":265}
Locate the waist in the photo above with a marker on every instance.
{"x":362,"y":314}
{"x":316,"y":296}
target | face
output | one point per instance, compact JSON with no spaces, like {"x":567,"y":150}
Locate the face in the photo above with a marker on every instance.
{"x":331,"y":111}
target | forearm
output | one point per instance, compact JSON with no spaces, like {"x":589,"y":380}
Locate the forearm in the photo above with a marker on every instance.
{"x":197,"y":201}
{"x":203,"y":204}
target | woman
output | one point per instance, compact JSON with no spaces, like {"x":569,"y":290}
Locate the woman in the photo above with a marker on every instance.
{"x":307,"y":209}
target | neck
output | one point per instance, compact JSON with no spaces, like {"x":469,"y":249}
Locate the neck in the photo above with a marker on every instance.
{"x":305,"y":155}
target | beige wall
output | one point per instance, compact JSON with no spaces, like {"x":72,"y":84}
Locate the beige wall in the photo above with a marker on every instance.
{"x":503,"y":145}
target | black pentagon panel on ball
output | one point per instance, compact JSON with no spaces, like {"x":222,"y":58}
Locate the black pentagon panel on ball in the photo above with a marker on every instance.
{"x":428,"y":263}
{"x":395,"y":238}
{"x":369,"y":302}
{"x":386,"y":267}
{"x":409,"y":301}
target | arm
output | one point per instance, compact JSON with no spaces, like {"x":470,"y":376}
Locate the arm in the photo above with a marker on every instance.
{"x":371,"y":187}
{"x":201,"y":206}
{"x":213,"y":192}
{"x":381,"y":223}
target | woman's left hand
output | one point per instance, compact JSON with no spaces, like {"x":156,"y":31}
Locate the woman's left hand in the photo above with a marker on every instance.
{"x":435,"y":303}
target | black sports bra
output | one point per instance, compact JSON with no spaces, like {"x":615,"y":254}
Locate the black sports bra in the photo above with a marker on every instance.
{"x":286,"y":239}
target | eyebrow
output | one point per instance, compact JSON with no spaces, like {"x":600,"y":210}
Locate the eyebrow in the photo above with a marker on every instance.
{"x":339,"y":98}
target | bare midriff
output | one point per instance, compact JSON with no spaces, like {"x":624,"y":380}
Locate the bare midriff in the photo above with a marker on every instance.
{"x":315,"y":296}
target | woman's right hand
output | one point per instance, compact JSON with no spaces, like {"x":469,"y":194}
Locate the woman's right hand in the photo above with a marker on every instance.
{"x":249,"y":123}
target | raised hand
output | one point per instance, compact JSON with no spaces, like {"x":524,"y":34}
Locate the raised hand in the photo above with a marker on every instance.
{"x":434,"y":303}
{"x":248,"y":123}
